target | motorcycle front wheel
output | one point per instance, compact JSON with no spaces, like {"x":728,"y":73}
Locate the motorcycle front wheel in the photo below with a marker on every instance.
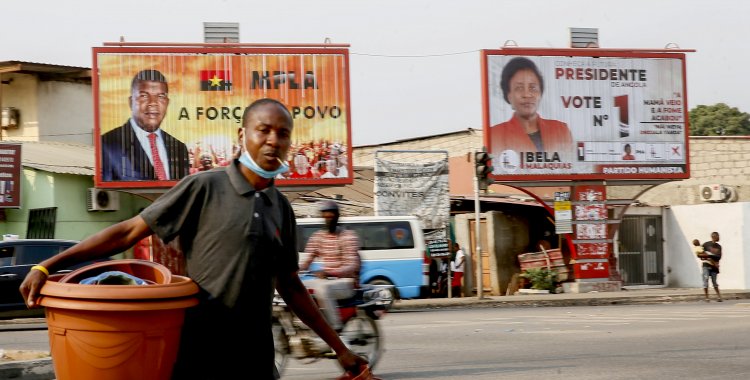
{"x":362,"y":335}
{"x":280,"y":345}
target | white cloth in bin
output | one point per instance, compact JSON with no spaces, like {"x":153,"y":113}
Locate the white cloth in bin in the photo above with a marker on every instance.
{"x":113,"y":278}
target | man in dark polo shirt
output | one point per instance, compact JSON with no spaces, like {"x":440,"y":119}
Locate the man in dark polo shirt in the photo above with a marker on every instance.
{"x":238,"y":234}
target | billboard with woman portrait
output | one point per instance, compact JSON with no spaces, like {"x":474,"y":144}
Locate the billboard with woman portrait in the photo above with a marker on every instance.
{"x":570,"y":114}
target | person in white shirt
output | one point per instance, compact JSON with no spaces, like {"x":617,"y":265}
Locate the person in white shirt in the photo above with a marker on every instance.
{"x":457,"y":267}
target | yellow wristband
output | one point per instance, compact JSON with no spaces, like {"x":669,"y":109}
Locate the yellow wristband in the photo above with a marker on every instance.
{"x":41,"y":269}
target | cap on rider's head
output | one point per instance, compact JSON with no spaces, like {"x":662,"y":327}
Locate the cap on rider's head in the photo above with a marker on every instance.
{"x":328,"y":206}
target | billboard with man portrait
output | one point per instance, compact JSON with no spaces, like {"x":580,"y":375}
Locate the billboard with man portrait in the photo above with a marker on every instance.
{"x":162,"y":113}
{"x":573,"y":114}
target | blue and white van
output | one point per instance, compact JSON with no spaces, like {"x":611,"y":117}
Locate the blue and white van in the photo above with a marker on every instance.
{"x":392,"y":249}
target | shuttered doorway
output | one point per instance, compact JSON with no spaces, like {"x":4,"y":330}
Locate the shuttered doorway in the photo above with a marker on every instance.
{"x":641,"y":256}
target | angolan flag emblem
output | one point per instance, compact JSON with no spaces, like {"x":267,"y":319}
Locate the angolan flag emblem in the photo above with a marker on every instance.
{"x":215,"y":80}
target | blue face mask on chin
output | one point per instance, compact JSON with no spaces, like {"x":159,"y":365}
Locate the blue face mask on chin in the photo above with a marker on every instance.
{"x":249,"y":163}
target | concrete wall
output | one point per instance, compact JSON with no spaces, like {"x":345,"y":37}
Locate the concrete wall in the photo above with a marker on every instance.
{"x":68,"y":112}
{"x":506,"y":236}
{"x":687,"y":222}
{"x":509,"y":238}
{"x":713,"y":160}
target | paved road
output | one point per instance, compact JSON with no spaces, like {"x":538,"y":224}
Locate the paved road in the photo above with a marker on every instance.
{"x":668,"y":341}
{"x":657,"y":333}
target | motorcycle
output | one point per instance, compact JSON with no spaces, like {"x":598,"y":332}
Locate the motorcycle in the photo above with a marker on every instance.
{"x":360,"y":329}
{"x":440,"y":285}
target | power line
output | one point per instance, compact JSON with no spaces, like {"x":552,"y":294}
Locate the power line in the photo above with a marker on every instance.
{"x":417,"y":55}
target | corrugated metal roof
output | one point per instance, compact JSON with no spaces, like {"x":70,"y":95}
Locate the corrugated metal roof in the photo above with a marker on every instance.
{"x":39,"y":67}
{"x":354,"y":199}
{"x":57,"y":157}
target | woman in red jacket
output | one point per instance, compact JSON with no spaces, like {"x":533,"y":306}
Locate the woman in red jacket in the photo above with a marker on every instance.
{"x":526,"y":131}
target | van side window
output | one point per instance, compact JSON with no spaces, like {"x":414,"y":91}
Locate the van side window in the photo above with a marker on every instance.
{"x":384,"y":235}
{"x":372,"y":236}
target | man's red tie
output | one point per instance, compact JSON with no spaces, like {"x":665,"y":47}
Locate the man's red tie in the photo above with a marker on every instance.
{"x":158,"y":165}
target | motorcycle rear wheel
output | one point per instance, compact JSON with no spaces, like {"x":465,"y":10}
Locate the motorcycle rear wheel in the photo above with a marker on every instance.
{"x":362,"y":335}
{"x":280,"y":345}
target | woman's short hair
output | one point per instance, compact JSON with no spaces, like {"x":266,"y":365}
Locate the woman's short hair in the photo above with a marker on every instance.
{"x":516,"y":64}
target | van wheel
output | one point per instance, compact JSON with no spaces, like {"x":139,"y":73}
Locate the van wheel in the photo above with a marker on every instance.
{"x":380,"y":281}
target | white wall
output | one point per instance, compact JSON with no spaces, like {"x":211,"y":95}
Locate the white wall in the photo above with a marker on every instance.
{"x":688,"y":222}
{"x":21,"y":94}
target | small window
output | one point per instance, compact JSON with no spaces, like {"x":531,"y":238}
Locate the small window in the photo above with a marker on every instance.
{"x":42,"y":223}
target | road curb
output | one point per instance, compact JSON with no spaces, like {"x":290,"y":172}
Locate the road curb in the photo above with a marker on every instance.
{"x":550,"y":301}
{"x":37,"y":369}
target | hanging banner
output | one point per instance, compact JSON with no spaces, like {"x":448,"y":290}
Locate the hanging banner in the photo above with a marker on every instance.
{"x":419,"y":189}
{"x":437,"y":243}
{"x":194,"y":99}
{"x":10,"y":175}
{"x":585,"y":114}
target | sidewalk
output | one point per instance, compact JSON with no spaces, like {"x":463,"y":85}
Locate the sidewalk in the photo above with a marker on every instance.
{"x":632,"y":296}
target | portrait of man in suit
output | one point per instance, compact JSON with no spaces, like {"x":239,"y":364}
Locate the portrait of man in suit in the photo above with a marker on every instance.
{"x":140,"y":150}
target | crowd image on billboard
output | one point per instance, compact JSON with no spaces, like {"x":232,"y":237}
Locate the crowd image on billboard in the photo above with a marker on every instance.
{"x":307,"y":160}
{"x":206,"y":157}
{"x":317,"y":159}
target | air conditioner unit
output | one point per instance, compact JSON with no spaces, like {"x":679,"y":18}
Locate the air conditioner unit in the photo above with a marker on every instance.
{"x":9,"y":117}
{"x":716,"y":193}
{"x":102,"y":200}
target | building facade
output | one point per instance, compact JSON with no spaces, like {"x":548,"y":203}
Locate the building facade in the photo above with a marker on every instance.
{"x":53,"y":116}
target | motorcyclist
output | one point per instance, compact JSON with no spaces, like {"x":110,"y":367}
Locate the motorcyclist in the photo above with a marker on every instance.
{"x":338,"y":252}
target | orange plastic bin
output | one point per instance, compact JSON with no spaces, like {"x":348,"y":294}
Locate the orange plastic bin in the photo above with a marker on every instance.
{"x":116,"y":332}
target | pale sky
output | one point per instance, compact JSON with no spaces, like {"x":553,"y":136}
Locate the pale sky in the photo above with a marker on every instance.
{"x":415,"y":64}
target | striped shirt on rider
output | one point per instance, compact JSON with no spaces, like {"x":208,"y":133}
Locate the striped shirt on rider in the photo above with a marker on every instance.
{"x":338,"y":253}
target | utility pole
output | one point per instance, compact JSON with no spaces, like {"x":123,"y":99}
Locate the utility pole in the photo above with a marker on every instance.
{"x":482,"y":170}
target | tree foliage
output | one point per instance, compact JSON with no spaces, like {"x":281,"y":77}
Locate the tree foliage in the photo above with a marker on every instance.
{"x":718,"y":120}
